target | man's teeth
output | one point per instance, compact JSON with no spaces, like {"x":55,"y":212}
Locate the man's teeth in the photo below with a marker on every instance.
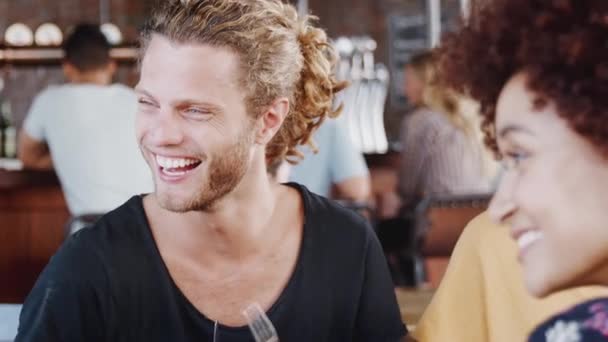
{"x":528,"y":238}
{"x":172,"y":163}
{"x":173,"y":173}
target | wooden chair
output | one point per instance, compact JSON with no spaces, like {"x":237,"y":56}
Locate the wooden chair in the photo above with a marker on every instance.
{"x":439,"y":223}
{"x":75,"y":223}
{"x":441,"y":220}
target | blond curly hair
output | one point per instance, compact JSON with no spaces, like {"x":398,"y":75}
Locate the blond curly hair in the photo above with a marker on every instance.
{"x":280,"y":55}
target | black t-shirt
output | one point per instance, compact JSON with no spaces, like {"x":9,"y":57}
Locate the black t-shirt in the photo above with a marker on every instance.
{"x":109,"y":283}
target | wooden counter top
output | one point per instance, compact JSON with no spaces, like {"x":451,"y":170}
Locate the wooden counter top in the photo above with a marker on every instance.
{"x":33,"y":214}
{"x":412,"y":303}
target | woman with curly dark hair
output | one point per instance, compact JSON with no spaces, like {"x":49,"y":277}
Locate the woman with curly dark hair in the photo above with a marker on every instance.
{"x":539,"y":68}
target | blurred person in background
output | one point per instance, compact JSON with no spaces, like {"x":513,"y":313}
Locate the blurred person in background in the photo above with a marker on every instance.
{"x":227,"y":87}
{"x":441,"y":149}
{"x":334,"y":168}
{"x":441,"y":155}
{"x":540,"y":70}
{"x":85,"y":129}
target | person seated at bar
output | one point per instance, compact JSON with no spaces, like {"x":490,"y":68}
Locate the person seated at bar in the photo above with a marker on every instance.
{"x":482,"y":296}
{"x":226,"y":88}
{"x":335,"y":168}
{"x":84,"y":129}
{"x":441,"y":155}
{"x":540,"y":70}
{"x":441,"y":152}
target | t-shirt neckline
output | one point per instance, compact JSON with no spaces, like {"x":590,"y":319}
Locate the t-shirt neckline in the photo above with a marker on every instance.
{"x":291,"y":283}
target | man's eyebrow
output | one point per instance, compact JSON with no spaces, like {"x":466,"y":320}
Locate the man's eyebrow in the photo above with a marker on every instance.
{"x":142,"y":91}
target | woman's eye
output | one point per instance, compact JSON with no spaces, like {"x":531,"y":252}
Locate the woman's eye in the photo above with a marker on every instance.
{"x":513,"y":160}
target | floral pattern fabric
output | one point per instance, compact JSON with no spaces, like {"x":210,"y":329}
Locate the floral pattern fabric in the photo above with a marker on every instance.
{"x":587,"y":322}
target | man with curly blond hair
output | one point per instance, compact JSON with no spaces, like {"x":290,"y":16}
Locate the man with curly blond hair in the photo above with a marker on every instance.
{"x":227,"y":87}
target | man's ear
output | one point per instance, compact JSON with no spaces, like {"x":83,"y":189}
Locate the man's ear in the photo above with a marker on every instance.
{"x":69,"y":71}
{"x":112,"y":68}
{"x":271,"y":120}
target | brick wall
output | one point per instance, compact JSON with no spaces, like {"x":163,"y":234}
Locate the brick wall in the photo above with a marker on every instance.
{"x":362,"y":17}
{"x":339,"y":17}
{"x":367,"y":17}
{"x":23,"y":83}
{"x":127,"y":14}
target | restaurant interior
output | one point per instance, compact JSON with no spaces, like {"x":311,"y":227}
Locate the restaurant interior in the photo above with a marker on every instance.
{"x":374,"y":39}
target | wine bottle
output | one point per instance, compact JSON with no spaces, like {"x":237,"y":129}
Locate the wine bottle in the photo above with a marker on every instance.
{"x":10,"y":132}
{"x":3,"y":126}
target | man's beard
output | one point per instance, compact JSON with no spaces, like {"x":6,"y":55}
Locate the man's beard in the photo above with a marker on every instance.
{"x":226,"y":170}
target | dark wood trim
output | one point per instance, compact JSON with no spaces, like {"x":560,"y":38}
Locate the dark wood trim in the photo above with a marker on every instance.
{"x":11,"y":180}
{"x":33,"y":214}
{"x":42,"y":55}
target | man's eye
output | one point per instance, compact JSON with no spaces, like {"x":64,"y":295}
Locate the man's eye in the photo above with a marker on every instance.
{"x":145,"y":102}
{"x":197,"y":114}
{"x":196,"y":111}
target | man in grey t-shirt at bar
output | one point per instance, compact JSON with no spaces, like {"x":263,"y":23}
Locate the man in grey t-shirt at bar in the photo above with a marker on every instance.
{"x":84,"y":129}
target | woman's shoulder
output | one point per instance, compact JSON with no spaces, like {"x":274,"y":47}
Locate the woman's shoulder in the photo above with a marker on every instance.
{"x":425,"y":114}
{"x":425,"y":119}
{"x":587,"y":321}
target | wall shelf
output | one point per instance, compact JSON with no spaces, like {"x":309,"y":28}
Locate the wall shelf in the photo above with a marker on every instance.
{"x":54,"y":55}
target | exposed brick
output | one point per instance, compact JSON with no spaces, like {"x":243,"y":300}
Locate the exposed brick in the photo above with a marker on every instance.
{"x":23,"y":83}
{"x":366,"y":17}
{"x":339,"y":17}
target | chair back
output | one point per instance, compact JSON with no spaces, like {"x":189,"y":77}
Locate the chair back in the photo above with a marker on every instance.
{"x":441,"y":220}
{"x":75,"y":223}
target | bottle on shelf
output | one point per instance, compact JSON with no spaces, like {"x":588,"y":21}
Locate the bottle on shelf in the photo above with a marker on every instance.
{"x":2,"y":135}
{"x":8,"y":134}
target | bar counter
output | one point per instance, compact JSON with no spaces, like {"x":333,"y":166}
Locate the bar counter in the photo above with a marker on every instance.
{"x":33,"y":213}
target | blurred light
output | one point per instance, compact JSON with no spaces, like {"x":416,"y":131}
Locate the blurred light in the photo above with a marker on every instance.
{"x":112,"y":33}
{"x":344,"y":46}
{"x":18,"y":34}
{"x":48,"y":34}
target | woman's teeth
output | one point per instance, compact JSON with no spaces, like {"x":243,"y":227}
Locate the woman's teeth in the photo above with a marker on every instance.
{"x":528,"y":238}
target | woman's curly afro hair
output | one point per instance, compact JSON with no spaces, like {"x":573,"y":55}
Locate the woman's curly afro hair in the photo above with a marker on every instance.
{"x":561,"y":45}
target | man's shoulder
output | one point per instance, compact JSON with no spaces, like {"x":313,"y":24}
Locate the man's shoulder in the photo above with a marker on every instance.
{"x":129,"y":213}
{"x":333,"y":219}
{"x":128,"y":221}
{"x":50,"y":92}
{"x":91,"y":279}
{"x":118,"y":232}
{"x":69,"y":89}
{"x":122,"y":90}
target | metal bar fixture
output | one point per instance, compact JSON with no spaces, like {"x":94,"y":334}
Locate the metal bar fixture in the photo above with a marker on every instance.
{"x":365,"y":97}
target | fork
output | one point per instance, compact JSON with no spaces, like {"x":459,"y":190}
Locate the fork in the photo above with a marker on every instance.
{"x":260,"y":325}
